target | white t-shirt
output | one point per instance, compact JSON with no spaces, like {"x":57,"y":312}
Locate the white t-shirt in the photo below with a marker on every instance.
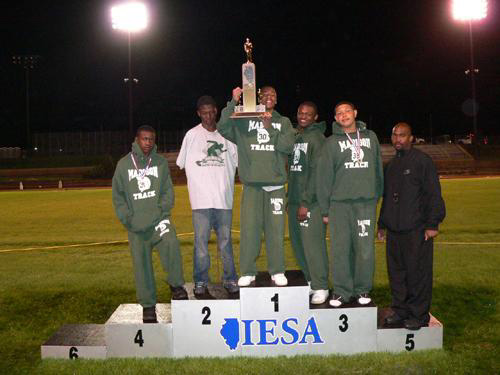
{"x":210,"y":162}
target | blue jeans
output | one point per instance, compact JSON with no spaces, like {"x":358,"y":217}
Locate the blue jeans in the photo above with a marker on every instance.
{"x":203,"y":222}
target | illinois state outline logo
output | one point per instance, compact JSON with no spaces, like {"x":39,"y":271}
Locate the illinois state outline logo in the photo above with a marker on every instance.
{"x":270,"y":332}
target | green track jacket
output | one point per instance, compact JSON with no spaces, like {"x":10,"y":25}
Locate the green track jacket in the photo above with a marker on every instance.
{"x":262,"y":153}
{"x":302,"y":165}
{"x":342,"y":175}
{"x":140,"y":204}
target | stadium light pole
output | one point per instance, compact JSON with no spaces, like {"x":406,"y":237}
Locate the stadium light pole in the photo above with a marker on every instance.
{"x":471,"y":10}
{"x":131,"y":17}
{"x":28,"y":62}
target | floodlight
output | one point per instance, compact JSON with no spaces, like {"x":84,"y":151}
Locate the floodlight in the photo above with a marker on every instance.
{"x":131,"y":17}
{"x":469,"y":10}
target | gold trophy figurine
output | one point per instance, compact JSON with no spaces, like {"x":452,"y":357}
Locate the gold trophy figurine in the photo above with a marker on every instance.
{"x":249,"y":107}
{"x":248,"y":46}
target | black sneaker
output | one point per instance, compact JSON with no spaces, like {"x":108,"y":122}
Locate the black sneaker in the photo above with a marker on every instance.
{"x":149,"y":315}
{"x":413,"y":324}
{"x":393,"y":319}
{"x":337,"y":300}
{"x":231,"y":287}
{"x":363,"y":298}
{"x":200,"y":289}
{"x":178,"y":292}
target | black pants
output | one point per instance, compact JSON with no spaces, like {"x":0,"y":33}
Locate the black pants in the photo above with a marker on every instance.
{"x":409,"y":264}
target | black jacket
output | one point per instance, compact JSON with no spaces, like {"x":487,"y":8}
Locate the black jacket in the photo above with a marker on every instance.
{"x":412,"y":193}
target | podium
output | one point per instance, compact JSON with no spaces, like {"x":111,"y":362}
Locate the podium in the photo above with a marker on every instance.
{"x":74,"y":341}
{"x":398,"y":338}
{"x":127,"y":336}
{"x":264,"y":321}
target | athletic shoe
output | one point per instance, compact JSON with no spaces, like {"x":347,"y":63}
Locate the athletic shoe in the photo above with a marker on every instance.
{"x":393,"y":319}
{"x":319,"y":296}
{"x":178,"y":292}
{"x":231,"y":287}
{"x":337,"y":300}
{"x":200,"y":289}
{"x":413,"y":324}
{"x":279,"y":279}
{"x":311,"y":292}
{"x":246,"y":280}
{"x":364,"y":298}
{"x":149,"y":315}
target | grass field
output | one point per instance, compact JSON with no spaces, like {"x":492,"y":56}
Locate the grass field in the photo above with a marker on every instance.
{"x":44,"y":284}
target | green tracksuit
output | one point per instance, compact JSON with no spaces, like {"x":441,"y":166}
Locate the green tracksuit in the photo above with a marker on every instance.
{"x":348,"y":187}
{"x":308,"y":236}
{"x":262,"y":155}
{"x":143,"y":199}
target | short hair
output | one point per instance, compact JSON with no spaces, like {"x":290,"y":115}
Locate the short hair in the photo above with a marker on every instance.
{"x":344,"y":102}
{"x":267,"y":87}
{"x":145,"y":128}
{"x":309,"y":104}
{"x":405,"y":125}
{"x":205,"y":100}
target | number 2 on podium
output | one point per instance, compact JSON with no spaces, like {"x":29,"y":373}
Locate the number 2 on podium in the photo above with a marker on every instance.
{"x":206,"y":311}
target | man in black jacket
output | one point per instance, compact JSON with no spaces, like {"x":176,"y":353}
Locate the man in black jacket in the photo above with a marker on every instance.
{"x":411,"y":211}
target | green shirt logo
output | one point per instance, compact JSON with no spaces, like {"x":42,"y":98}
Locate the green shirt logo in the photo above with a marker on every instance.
{"x":213,"y":151}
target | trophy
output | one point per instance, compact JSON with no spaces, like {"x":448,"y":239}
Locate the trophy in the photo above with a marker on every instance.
{"x":250,"y":108}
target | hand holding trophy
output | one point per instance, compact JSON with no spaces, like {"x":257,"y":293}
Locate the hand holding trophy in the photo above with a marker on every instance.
{"x":237,"y":93}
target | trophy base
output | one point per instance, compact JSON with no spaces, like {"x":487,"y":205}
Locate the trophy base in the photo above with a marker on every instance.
{"x":246,"y":114}
{"x":239,"y":113}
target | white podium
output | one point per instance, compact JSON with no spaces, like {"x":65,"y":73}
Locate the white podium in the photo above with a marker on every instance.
{"x":264,"y":321}
{"x":74,"y":341}
{"x":397,"y":339}
{"x":127,"y":336}
{"x":197,"y":324}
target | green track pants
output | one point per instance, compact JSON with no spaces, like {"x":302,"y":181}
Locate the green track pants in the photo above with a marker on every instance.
{"x":164,"y":238}
{"x":352,"y":230}
{"x":309,"y":245}
{"x":262,"y":211}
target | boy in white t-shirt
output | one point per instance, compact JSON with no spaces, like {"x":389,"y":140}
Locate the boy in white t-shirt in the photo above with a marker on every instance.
{"x":210,"y":162}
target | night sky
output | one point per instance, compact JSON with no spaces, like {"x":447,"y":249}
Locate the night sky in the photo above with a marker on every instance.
{"x":396,"y":60}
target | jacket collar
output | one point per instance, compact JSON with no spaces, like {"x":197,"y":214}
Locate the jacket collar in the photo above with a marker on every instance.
{"x":337,"y":129}
{"x":140,"y":155}
{"x":403,"y":153}
{"x":321,"y":126}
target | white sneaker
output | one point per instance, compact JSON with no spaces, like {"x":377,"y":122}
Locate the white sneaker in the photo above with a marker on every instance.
{"x":279,"y":279}
{"x":319,"y":296}
{"x":364,"y":299}
{"x":311,"y":292}
{"x":337,"y":300}
{"x":245,"y":280}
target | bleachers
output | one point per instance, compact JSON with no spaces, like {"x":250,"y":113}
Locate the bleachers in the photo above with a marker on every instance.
{"x":444,"y":152}
{"x":178,"y":175}
{"x":449,"y":158}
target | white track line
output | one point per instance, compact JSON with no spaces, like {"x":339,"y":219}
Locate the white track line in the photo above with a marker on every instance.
{"x":467,"y":243}
{"x":192,"y":233}
{"x":78,"y":245}
{"x":62,"y":246}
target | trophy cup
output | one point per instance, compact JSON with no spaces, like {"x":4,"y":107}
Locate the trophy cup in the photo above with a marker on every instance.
{"x":250,"y":108}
